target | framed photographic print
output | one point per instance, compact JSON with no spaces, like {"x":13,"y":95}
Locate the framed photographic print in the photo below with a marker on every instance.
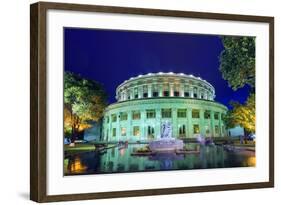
{"x":135,"y":102}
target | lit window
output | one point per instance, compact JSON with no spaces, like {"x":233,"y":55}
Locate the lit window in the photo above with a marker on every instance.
{"x":123,"y":131}
{"x":113,"y":132}
{"x":136,"y":115}
{"x":166,"y":113}
{"x":123,"y":116}
{"x":216,"y":116}
{"x":217,"y":129}
{"x":207,"y":129}
{"x":150,"y":114}
{"x":181,"y":113}
{"x":207,"y":114}
{"x":195,"y":114}
{"x":196,"y":129}
{"x":136,"y":131}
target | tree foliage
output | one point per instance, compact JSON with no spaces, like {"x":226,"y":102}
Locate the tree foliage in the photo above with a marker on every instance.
{"x":237,"y":61}
{"x":243,"y":115}
{"x":84,"y":101}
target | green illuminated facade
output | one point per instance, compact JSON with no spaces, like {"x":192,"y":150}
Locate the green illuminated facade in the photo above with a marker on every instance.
{"x":144,"y":102}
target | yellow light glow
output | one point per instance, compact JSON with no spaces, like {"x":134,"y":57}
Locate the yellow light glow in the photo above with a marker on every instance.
{"x":77,"y":166}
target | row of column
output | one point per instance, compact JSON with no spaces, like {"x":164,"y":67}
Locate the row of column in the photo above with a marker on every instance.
{"x":143,"y":123}
{"x":129,"y":93}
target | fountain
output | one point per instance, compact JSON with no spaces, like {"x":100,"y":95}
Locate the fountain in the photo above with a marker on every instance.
{"x":166,"y":143}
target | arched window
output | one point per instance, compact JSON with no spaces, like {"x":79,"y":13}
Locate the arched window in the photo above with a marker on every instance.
{"x":145,"y":91}
{"x":136,"y":93}
{"x":150,"y":131}
{"x":176,"y":90}
{"x":195,"y":92}
{"x":166,"y":90}
{"x":155,"y":91}
{"x":182,"y":132}
{"x":186,"y":91}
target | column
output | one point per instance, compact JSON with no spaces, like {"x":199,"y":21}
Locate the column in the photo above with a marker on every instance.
{"x":189,"y":128}
{"x":104,"y":125}
{"x":142,"y":120}
{"x":212,"y":124}
{"x":109,"y":128}
{"x":210,"y":96}
{"x":129,"y":126}
{"x":118,"y":126}
{"x":174,"y":123}
{"x":125,"y":95}
{"x":171,"y":87}
{"x":131,"y":93}
{"x":158,"y":123}
{"x":149,"y":87}
{"x":140,"y":91}
{"x":205,"y":95}
{"x":181,"y":90}
{"x":220,"y":126}
{"x":191,"y":92}
{"x":198,"y":93}
{"x":121,"y":95}
{"x":160,"y":86}
{"x":202,"y":124}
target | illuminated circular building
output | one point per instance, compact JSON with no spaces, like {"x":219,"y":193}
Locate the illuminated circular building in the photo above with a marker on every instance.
{"x":146,"y":101}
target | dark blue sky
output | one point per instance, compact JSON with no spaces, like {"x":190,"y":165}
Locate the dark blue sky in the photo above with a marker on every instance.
{"x":112,"y":56}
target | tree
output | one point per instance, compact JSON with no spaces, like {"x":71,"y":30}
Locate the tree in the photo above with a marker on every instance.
{"x":84,"y":101}
{"x":243,"y":115}
{"x":237,"y":61}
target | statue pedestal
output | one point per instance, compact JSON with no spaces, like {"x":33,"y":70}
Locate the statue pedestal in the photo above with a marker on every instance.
{"x":166,"y":144}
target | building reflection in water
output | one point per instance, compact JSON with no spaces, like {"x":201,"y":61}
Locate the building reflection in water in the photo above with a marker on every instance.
{"x":250,"y":162}
{"x":76,"y":166}
{"x":120,"y":160}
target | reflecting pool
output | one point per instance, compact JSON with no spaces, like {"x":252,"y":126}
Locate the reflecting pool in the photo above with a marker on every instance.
{"x":120,"y":160}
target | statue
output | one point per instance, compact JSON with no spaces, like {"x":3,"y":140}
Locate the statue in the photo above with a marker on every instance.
{"x":166,"y":143}
{"x":166,"y":131}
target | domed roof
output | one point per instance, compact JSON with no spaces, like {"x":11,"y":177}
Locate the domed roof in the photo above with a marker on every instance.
{"x":164,"y":79}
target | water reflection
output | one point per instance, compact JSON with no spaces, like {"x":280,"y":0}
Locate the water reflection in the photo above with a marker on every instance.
{"x":76,"y":165}
{"x":120,"y":160}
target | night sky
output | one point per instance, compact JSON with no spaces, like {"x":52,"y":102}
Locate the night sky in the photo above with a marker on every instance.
{"x":111,"y":57}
